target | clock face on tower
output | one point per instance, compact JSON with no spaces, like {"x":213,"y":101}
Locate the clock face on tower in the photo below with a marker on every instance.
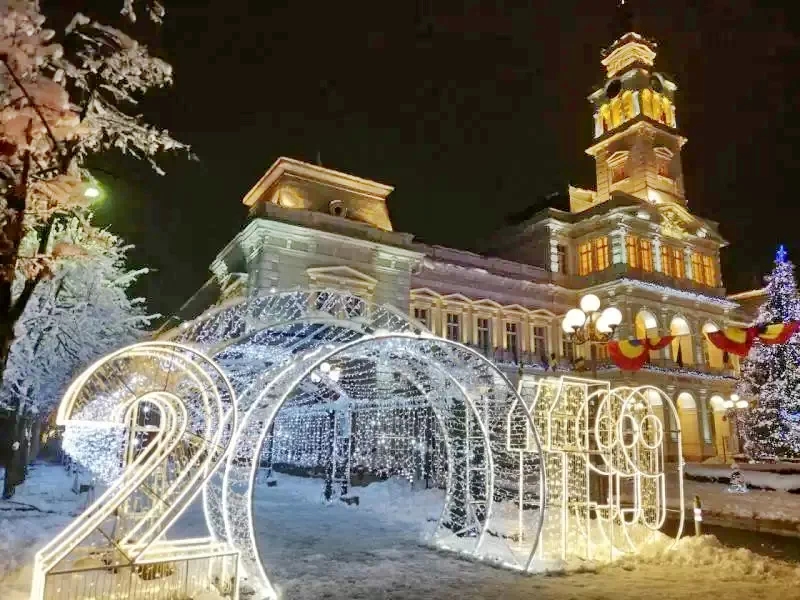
{"x":655,"y":84}
{"x":613,"y":88}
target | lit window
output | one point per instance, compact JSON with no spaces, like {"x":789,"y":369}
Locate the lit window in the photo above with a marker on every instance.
{"x":666,"y":260}
{"x":697,"y":267}
{"x":647,"y":103}
{"x":645,"y":255}
{"x":539,"y":340}
{"x":511,"y":338}
{"x":633,"y":255}
{"x":678,"y":266}
{"x":709,"y":273}
{"x":421,"y":315}
{"x":453,"y":327}
{"x":601,"y":258}
{"x":484,"y":334}
{"x":585,"y":259}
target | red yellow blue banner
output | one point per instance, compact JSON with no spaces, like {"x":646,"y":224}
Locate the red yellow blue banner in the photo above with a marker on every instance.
{"x":734,"y":340}
{"x":629,"y":355}
{"x":655,"y":342}
{"x":779,"y":333}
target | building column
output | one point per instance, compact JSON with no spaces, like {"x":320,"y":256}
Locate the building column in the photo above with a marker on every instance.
{"x":704,"y":422}
{"x":657,"y":254}
{"x":618,"y":248}
{"x":637,"y":107}
{"x":698,"y":339}
{"x":687,"y":263}
{"x":627,"y":328}
{"x":598,"y":124}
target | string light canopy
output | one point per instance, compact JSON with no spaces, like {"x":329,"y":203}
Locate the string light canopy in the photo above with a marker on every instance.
{"x":326,"y":381}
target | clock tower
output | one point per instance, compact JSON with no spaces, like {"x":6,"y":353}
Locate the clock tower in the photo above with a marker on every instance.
{"x":636,"y":143}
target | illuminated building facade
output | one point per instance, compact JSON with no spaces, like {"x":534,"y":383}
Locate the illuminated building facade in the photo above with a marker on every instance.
{"x":632,"y":241}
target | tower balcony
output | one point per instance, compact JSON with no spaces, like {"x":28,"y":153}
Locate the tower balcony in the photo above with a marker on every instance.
{"x":622,"y":270}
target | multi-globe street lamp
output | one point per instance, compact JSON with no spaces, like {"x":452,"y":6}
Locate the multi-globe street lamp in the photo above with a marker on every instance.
{"x":588,"y":325}
{"x":735,"y":402}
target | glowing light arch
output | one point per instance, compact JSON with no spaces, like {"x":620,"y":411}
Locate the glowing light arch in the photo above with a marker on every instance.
{"x":271,"y":348}
{"x":487,"y":396}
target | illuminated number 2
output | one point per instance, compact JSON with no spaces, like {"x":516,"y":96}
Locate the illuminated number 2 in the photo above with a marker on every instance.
{"x":162,"y":416}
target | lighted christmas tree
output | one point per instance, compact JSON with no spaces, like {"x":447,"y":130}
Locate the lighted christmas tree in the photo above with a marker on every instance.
{"x":772,"y":373}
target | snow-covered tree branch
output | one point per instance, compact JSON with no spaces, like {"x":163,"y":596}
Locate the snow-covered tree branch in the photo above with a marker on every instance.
{"x":81,"y":312}
{"x":63,"y":97}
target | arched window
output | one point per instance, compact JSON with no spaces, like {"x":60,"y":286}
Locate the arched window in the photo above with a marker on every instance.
{"x":616,"y":112}
{"x":605,"y":116}
{"x":690,"y":427}
{"x":627,"y":105}
{"x":647,"y":103}
{"x":686,"y":401}
{"x":713,"y":356}
{"x":682,"y":344}
{"x":646,"y":325}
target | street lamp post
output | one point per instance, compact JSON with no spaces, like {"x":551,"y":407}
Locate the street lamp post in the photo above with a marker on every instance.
{"x":588,"y":325}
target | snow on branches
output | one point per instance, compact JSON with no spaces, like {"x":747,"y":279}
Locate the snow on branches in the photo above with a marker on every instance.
{"x":81,"y":312}
{"x":772,"y":374}
{"x":63,"y":98}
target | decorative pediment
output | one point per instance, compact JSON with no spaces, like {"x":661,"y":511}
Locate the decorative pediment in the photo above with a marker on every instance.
{"x":673,"y":225}
{"x":425,"y":294}
{"x":341,"y":277}
{"x":618,"y":158}
{"x":456,"y":299}
{"x":663,"y":152}
{"x":486,"y":303}
{"x":515,"y":309}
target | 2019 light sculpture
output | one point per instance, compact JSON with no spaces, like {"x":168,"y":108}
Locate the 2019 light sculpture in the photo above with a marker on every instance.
{"x":341,"y":365}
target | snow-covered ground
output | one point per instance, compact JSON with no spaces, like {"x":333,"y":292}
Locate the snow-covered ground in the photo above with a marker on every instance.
{"x":23,"y":529}
{"x":754,"y":475}
{"x":317,"y":551}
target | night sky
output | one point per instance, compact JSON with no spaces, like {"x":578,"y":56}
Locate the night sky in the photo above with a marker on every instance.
{"x":472,"y":110}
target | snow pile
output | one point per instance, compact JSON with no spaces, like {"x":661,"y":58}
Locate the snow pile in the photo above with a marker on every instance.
{"x":707,"y":551}
{"x":40,"y":509}
{"x":753,"y":477}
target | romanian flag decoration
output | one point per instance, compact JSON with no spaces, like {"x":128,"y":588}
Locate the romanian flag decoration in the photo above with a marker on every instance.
{"x":629,"y":355}
{"x":779,"y":333}
{"x":733,"y":340}
{"x":655,"y":342}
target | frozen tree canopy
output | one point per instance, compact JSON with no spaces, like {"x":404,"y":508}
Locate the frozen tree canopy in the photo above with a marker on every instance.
{"x":77,"y":315}
{"x":772,"y":373}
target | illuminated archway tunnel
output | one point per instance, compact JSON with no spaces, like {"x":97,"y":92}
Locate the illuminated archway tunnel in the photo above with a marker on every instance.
{"x":307,"y":353}
{"x":293,"y":356}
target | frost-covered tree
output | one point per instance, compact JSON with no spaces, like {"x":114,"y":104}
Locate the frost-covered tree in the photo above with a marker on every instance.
{"x":79,"y":313}
{"x":63,"y":97}
{"x":772,"y":373}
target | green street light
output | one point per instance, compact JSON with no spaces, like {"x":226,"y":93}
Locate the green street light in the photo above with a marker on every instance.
{"x":92,"y":191}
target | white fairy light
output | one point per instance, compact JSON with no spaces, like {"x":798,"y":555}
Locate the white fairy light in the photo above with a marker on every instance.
{"x":314,"y":389}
